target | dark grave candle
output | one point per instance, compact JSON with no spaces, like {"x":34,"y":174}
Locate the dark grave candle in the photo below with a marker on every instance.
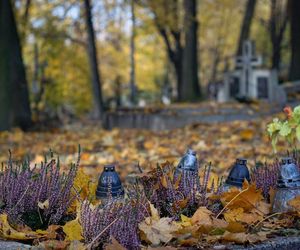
{"x":109,"y":185}
{"x":237,"y":175}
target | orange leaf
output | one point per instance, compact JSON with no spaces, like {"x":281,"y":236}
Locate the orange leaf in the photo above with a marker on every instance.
{"x":295,"y":203}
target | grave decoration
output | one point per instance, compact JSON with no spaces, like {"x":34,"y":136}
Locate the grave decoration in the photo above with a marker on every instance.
{"x":248,"y":82}
{"x":288,"y":185}
{"x":118,"y":220}
{"x":237,"y":175}
{"x":37,"y":196}
{"x":187,"y":163}
{"x":109,"y":185}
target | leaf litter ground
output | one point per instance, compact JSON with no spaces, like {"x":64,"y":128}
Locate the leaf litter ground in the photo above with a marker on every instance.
{"x":245,"y":211}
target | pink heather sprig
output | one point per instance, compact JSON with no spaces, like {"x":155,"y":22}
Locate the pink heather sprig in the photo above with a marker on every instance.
{"x":22,"y":188}
{"x":266,"y":176}
{"x":116,"y":219}
{"x":169,"y":199}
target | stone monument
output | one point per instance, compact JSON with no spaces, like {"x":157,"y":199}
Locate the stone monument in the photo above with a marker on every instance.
{"x":249,"y":82}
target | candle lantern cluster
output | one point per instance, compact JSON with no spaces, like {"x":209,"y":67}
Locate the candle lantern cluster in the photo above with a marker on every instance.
{"x":288,"y":185}
{"x":109,"y":185}
{"x":288,"y":182}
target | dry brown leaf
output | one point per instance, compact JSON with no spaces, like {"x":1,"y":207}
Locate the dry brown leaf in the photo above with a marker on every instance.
{"x":247,"y":199}
{"x":159,"y":231}
{"x":235,"y":227}
{"x":239,"y":238}
{"x":233,"y":214}
{"x":114,"y":245}
{"x":202,"y":216}
{"x":164,"y":181}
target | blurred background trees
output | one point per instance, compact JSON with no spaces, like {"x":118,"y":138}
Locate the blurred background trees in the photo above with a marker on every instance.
{"x":83,"y":56}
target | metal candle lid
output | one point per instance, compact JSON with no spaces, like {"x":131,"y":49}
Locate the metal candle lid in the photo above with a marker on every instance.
{"x":109,"y":184}
{"x":238,"y":173}
{"x":289,"y":174}
{"x":188,"y":161}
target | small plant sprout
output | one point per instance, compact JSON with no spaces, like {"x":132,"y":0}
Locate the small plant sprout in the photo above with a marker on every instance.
{"x":288,"y":129}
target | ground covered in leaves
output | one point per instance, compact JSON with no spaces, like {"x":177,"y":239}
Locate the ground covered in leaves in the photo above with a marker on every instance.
{"x":217,"y":143}
{"x":162,"y":209}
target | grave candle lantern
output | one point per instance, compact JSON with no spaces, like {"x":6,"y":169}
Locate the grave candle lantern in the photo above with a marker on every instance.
{"x":109,"y":185}
{"x":288,"y":185}
{"x":187,"y":169}
{"x":187,"y":163}
{"x":237,"y":175}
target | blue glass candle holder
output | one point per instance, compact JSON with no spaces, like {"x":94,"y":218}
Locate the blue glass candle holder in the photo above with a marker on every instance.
{"x":109,"y":184}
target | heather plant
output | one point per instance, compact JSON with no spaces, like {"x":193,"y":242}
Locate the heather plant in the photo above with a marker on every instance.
{"x":265,"y":177}
{"x":36,"y":196}
{"x":116,"y":219}
{"x":176,"y":194}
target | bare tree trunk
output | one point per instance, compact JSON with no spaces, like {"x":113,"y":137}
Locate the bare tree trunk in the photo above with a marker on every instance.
{"x":190,"y":89}
{"x":172,"y":35}
{"x":133,"y":88}
{"x":246,"y":25}
{"x":24,"y":21}
{"x":277,"y":25}
{"x":92,"y":52}
{"x":295,"y":39}
{"x":14,"y":97}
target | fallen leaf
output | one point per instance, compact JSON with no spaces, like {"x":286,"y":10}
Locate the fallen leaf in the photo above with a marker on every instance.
{"x":248,"y":198}
{"x":43,"y":205}
{"x":154,"y":213}
{"x":72,"y":229}
{"x":202,"y":216}
{"x":114,"y":245}
{"x":295,"y":203}
{"x":235,"y":227}
{"x":7,"y":232}
{"x":158,"y":231}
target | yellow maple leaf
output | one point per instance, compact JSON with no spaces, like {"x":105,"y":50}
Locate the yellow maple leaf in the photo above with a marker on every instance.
{"x":73,"y":229}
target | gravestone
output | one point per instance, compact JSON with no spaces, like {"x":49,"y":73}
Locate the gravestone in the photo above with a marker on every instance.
{"x":248,"y":81}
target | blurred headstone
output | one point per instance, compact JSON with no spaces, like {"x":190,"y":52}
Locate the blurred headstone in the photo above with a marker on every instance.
{"x":247,"y":81}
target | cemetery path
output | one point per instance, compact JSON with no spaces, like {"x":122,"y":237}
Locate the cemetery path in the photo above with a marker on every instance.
{"x":178,"y":116}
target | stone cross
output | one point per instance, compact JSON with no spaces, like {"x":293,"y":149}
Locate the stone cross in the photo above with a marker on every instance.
{"x":246,"y":62}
